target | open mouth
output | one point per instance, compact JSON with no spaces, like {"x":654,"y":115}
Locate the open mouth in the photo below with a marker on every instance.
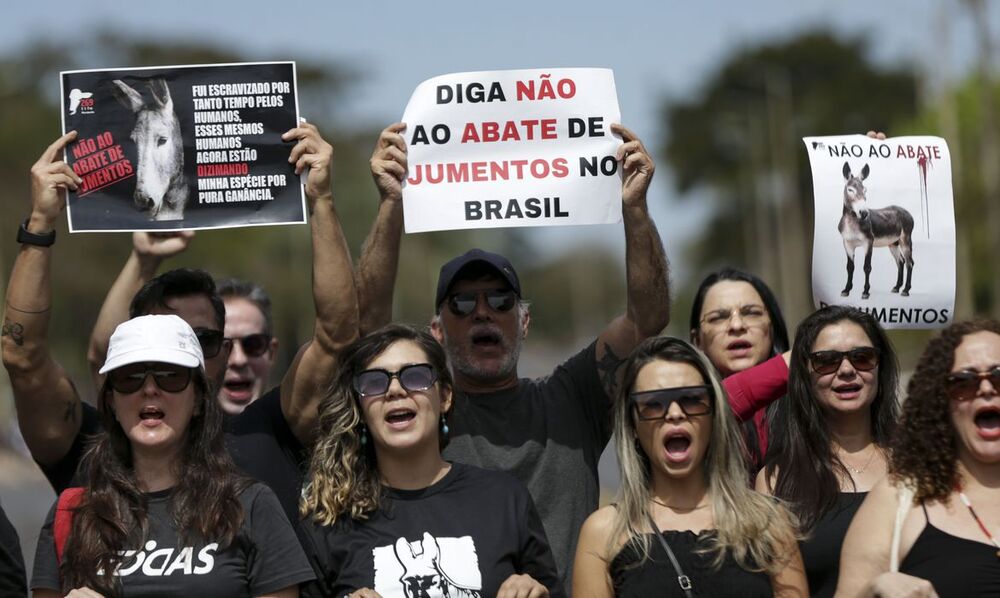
{"x":988,"y":422}
{"x":400,"y":417}
{"x":151,"y":414}
{"x":848,"y":391}
{"x":238,"y":389}
{"x":486,"y":339}
{"x":678,"y":445}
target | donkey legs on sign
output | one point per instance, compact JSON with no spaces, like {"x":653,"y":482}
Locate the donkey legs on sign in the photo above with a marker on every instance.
{"x":906,"y":249}
{"x":897,"y":255}
{"x":868,"y":270}
{"x":850,"y":276}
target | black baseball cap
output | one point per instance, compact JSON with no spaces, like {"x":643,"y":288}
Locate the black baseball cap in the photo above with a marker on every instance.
{"x":451,"y":270}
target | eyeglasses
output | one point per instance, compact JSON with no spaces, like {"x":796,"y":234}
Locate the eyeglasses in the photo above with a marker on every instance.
{"x":212,"y":341}
{"x":751,"y":315}
{"x":130,"y":378}
{"x":862,"y":359}
{"x":254,"y":345}
{"x":655,"y":404}
{"x":963,"y":386}
{"x":463,"y":304}
{"x":413,"y":378}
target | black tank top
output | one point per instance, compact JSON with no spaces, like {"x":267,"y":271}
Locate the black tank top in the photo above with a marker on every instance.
{"x":821,"y":551}
{"x":956,"y":567}
{"x":631,"y":577}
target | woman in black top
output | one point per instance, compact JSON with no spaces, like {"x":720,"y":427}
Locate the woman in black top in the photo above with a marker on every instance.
{"x":943,"y":483}
{"x":828,"y":442}
{"x":681,"y":457}
{"x":388,"y":516}
{"x":163,"y":512}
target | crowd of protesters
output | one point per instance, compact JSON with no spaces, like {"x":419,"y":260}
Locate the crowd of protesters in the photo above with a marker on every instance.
{"x":401,"y":461}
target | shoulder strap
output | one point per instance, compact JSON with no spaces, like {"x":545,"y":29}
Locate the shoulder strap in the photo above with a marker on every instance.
{"x":69,"y":500}
{"x":683,"y":580}
{"x":906,"y":493}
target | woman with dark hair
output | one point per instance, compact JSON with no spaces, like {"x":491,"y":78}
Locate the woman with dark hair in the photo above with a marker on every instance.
{"x":389,"y":516}
{"x":737,"y":322}
{"x":163,"y":512}
{"x":686,"y":521}
{"x":829,"y":441}
{"x":930,"y":528}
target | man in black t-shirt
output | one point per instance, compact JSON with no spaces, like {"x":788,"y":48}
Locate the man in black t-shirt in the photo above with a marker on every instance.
{"x":548,"y":432}
{"x":53,"y":419}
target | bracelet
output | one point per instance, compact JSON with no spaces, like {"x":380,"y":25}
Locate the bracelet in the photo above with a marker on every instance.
{"x":29,"y":238}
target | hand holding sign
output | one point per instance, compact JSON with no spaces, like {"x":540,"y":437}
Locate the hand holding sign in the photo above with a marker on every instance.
{"x":637,"y":166}
{"x":388,"y":163}
{"x":312,"y":152}
{"x":50,"y":177}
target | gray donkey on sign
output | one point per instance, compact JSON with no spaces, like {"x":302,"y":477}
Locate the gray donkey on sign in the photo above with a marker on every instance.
{"x":861,"y":226}
{"x":160,"y":185}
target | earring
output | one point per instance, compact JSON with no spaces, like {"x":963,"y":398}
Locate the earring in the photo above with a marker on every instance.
{"x":364,"y":435}
{"x":444,"y":426}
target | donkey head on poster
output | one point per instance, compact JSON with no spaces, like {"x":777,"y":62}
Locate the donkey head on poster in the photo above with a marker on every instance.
{"x":160,"y":184}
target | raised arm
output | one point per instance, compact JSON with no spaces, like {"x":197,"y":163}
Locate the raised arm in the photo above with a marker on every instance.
{"x":48,"y":406}
{"x":148,"y":252}
{"x":647,"y":274}
{"x":380,"y":253}
{"x":334,"y":294}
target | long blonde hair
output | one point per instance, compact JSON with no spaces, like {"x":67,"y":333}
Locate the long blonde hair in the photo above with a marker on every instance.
{"x":343,"y":474}
{"x":754,"y":528}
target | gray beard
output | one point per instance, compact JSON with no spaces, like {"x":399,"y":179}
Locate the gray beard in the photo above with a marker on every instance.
{"x":467,"y":367}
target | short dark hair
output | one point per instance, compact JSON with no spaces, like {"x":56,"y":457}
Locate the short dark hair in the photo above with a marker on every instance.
{"x":252,"y":292}
{"x":180,"y":282}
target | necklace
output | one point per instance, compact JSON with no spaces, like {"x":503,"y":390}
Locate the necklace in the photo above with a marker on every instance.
{"x":968,"y":503}
{"x":663,"y":504}
{"x":862,"y":469}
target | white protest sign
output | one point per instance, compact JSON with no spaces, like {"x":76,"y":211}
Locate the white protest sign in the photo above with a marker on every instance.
{"x":512,"y":148}
{"x":884,"y":206}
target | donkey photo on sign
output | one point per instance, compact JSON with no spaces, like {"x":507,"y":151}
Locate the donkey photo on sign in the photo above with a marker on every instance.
{"x":161,"y":187}
{"x":861,"y":226}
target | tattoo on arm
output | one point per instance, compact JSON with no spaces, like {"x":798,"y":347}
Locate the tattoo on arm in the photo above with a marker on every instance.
{"x":607,"y":369}
{"x":14,"y":330}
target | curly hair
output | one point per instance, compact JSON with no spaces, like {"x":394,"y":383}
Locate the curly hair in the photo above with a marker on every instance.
{"x":755,"y":529}
{"x":925,"y":448}
{"x":800,"y":458}
{"x":343,"y":475}
{"x":112,"y":513}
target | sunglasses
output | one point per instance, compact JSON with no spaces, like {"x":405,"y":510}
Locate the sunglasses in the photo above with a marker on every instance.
{"x":212,"y":341}
{"x":862,"y":359}
{"x":463,"y":304}
{"x":167,"y":376}
{"x":413,"y":378}
{"x":655,"y":404}
{"x":963,"y":386}
{"x":254,"y":345}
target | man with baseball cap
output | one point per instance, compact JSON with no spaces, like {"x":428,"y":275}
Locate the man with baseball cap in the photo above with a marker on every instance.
{"x":548,"y":432}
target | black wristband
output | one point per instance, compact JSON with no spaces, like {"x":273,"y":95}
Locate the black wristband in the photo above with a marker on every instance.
{"x":28,"y":238}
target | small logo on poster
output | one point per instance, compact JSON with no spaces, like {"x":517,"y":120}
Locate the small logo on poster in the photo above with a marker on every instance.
{"x":82,"y":101}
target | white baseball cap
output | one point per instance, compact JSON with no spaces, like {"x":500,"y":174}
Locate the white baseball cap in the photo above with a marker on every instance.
{"x":164,"y":339}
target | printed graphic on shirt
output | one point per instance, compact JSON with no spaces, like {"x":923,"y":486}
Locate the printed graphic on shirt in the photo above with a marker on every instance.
{"x":153,"y":562}
{"x":428,"y":568}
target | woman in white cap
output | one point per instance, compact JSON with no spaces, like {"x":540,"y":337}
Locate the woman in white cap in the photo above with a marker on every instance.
{"x":163,"y":512}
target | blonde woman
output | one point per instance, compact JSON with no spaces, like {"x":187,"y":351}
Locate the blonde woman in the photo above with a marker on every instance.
{"x":686,"y":523}
{"x":388,"y":515}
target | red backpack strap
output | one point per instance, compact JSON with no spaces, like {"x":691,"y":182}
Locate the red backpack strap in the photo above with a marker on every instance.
{"x":69,"y":500}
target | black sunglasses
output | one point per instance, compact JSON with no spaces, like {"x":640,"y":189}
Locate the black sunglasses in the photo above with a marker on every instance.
{"x":963,"y":386}
{"x":463,"y":304}
{"x":863,"y":359}
{"x":655,"y":404}
{"x":130,"y":378}
{"x":413,"y":378}
{"x":254,"y":345}
{"x":212,"y":341}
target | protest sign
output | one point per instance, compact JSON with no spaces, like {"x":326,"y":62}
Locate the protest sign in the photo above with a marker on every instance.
{"x":182,"y":147}
{"x":512,"y":148}
{"x":884,"y":237}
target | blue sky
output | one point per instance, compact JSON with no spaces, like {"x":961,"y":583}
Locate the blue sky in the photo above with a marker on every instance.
{"x":657,"y":49}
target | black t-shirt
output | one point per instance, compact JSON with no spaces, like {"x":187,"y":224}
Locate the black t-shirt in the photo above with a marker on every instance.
{"x":259,"y":440}
{"x":462,"y":536}
{"x":265,"y":556}
{"x":821,"y":550}
{"x":12,"y":581}
{"x":549,"y":433}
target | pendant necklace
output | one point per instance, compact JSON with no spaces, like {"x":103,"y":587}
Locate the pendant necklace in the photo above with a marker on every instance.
{"x":864,"y":468}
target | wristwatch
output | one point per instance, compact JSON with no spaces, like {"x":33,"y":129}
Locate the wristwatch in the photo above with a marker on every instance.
{"x":29,"y":238}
